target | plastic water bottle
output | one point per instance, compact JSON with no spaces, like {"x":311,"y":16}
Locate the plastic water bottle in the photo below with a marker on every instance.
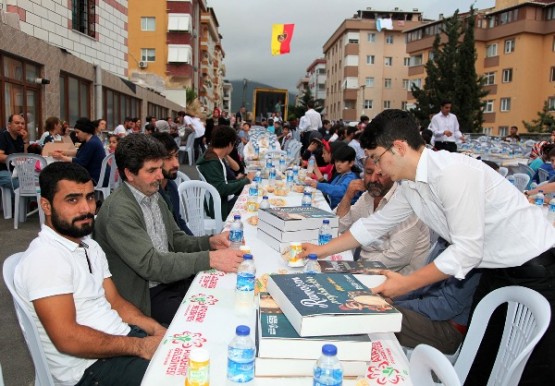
{"x":236,"y":232}
{"x":282,"y":163}
{"x":328,"y":370}
{"x":307,"y":199}
{"x":311,"y":164}
{"x":269,"y":163}
{"x":258,"y":176}
{"x":324,"y":234}
{"x":312,"y":265}
{"x":256,"y":150}
{"x":289,"y":178}
{"x":240,"y":356}
{"x":296,"y":173}
{"x":272,"y":176}
{"x":244,"y":288}
{"x":539,"y":199}
{"x":511,"y":179}
{"x":551,"y":211}
{"x":252,"y":199}
{"x":265,"y":204}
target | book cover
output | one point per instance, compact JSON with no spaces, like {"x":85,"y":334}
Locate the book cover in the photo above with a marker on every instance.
{"x":332,"y":304}
{"x":276,"y":338}
{"x":366,"y":267}
{"x":285,"y":367}
{"x":289,"y":236}
{"x":294,"y":218}
{"x":280,"y":246}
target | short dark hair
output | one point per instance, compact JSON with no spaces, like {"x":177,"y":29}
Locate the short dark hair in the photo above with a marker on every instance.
{"x":364,"y":118}
{"x":445,"y":102}
{"x":310,"y":104}
{"x":222,"y":136}
{"x":344,"y":153}
{"x":247,"y":123}
{"x":10,"y":118}
{"x":391,"y":125}
{"x":151,"y":128}
{"x":127,"y":119}
{"x":57,"y":171}
{"x":167,"y":140}
{"x":51,"y":123}
{"x":134,"y":149}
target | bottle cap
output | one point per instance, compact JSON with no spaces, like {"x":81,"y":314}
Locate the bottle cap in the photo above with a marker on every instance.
{"x":245,"y":331}
{"x":312,"y":256}
{"x":264,"y":197}
{"x":326,"y":221}
{"x":327,"y":349}
{"x":247,"y":256}
{"x":199,"y":355}
{"x":237,"y":217}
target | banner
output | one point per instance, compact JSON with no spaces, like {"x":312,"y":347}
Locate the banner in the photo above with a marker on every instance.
{"x":281,"y":38}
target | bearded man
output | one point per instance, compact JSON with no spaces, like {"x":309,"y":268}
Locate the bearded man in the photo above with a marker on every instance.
{"x":405,"y":248}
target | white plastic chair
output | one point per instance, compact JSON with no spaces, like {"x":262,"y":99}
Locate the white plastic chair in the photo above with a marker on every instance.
{"x":503,"y":171}
{"x":543,"y":175}
{"x":295,"y":151}
{"x":113,"y":178}
{"x":192,"y":199}
{"x":24,"y":166}
{"x":426,"y":359}
{"x":528,"y":317}
{"x":188,"y":149}
{"x":181,"y":177}
{"x":6,"y":201}
{"x":27,"y":325}
{"x":521,"y":181}
{"x":200,"y":175}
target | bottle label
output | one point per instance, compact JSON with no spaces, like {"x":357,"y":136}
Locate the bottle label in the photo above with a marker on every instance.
{"x":245,"y":281}
{"x":552,"y":208}
{"x":236,"y":235}
{"x":327,"y":377}
{"x":198,"y":374}
{"x":240,"y":364}
{"x":324,"y":239}
{"x":539,"y":201}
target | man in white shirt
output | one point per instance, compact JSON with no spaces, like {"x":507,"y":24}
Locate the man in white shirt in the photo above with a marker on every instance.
{"x":309,"y":123}
{"x":121,"y":130}
{"x":488,"y":223}
{"x":445,"y":127}
{"x":405,"y":248}
{"x":88,"y":331}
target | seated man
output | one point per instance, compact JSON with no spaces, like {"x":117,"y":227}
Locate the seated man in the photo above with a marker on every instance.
{"x":438,"y":314}
{"x":406,"y":247}
{"x":65,"y":281}
{"x":11,"y":141}
{"x":212,"y":166}
{"x":151,"y":259}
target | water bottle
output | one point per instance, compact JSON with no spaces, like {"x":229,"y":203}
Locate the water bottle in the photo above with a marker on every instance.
{"x":258,"y":176}
{"x":252,"y":199}
{"x":539,"y":199}
{"x":307,"y":200}
{"x":511,"y":179}
{"x":289,"y":179}
{"x":551,"y":211}
{"x":240,"y":356}
{"x":269,"y":163}
{"x":296,"y":173}
{"x":282,"y":163}
{"x":244,"y":288}
{"x":324,"y":234}
{"x":312,"y":265}
{"x":328,"y":370}
{"x":256,"y":150}
{"x":311,"y":164}
{"x":236,"y":232}
{"x":272,"y":176}
{"x":265,"y":204}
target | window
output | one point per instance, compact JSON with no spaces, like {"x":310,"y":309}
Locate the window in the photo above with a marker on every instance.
{"x":431,"y":56}
{"x":404,"y":105}
{"x":369,"y":81}
{"x":386,"y":104}
{"x":509,"y":46}
{"x":148,"y":55}
{"x":416,"y":83}
{"x":503,"y":131}
{"x":387,"y":83}
{"x":488,"y":107}
{"x":388,"y":39}
{"x":406,"y":84}
{"x":148,"y":23}
{"x":117,"y":106}
{"x":388,"y":61}
{"x":179,"y":22}
{"x":83,"y":16}
{"x":505,"y":104}
{"x":74,"y":98}
{"x":368,"y":103}
{"x":487,"y":130}
{"x":552,"y":75}
{"x":370,"y":59}
{"x":550,"y":13}
{"x":507,"y":75}
{"x":415,"y":60}
{"x":491,"y":50}
{"x":371,"y":37}
{"x":551,"y":103}
{"x":406,"y":62}
{"x":489,"y":78}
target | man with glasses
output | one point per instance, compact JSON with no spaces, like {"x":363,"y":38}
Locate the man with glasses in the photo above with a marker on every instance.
{"x":487,"y":222}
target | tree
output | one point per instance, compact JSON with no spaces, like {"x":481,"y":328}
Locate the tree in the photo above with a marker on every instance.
{"x":544,"y":123}
{"x":299,"y":110}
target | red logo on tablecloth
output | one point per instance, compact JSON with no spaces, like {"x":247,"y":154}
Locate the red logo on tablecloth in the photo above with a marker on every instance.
{"x":383,"y":370}
{"x":209,"y":279}
{"x":188,"y":339}
{"x":196,"y":311}
{"x":201,"y":298}
{"x":176,"y":360}
{"x":336,"y":257}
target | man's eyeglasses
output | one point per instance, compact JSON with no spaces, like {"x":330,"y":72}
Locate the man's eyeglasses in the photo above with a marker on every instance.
{"x":377,"y":160}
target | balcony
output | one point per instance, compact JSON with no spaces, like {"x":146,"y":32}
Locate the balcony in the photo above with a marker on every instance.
{"x":350,"y":94}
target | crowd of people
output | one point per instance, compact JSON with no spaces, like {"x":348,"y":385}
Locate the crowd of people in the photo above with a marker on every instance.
{"x":103,"y":283}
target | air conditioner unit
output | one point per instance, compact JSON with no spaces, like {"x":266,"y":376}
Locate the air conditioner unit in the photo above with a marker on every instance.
{"x":143,"y":64}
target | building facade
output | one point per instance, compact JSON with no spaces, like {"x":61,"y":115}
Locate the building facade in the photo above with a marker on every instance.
{"x":515,"y":45}
{"x":212,"y":68}
{"x":367,"y":63}
{"x":316,"y":74}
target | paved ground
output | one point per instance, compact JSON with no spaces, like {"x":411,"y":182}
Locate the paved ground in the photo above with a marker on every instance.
{"x":14,"y":357}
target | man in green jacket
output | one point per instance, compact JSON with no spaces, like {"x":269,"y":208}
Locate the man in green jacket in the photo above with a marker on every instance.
{"x":215,"y":169}
{"x":152,"y":261}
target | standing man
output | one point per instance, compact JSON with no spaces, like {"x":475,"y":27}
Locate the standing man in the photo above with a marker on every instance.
{"x":310,"y":122}
{"x":151,"y":259}
{"x":89,"y":333}
{"x":488,"y":223}
{"x":405,"y":248}
{"x":445,"y":127}
{"x":11,"y":141}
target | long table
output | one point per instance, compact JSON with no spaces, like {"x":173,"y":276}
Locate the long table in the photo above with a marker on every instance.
{"x":207,"y":319}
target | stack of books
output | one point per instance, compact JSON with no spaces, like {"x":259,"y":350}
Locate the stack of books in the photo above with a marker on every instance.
{"x":301,"y":312}
{"x":279,"y":227}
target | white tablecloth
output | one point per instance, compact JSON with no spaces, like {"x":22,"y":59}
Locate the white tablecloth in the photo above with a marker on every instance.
{"x":207,"y":319}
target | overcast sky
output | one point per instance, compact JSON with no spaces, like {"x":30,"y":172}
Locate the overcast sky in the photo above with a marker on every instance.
{"x":246,"y":27}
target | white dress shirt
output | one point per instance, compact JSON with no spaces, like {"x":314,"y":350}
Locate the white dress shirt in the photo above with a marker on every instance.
{"x":488,"y":222}
{"x":196,"y":124}
{"x":310,"y":121}
{"x":441,"y":123}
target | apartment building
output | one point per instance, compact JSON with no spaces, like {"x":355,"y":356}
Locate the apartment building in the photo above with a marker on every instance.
{"x":515,"y":45}
{"x":367,"y":63}
{"x":316,"y":74}
{"x":212,"y":68}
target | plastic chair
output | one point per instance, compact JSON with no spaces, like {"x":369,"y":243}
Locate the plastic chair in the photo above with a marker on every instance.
{"x":426,"y":359}
{"x":192,"y":199}
{"x":181,"y":177}
{"x":200,"y":175}
{"x":27,"y":325}
{"x":295,"y":151}
{"x":113,"y":179}
{"x":528,"y":317}
{"x":25,"y":167}
{"x":523,"y":168}
{"x":503,"y":171}
{"x":6,"y":201}
{"x":188,"y":149}
{"x":543,"y":175}
{"x":521,"y":181}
